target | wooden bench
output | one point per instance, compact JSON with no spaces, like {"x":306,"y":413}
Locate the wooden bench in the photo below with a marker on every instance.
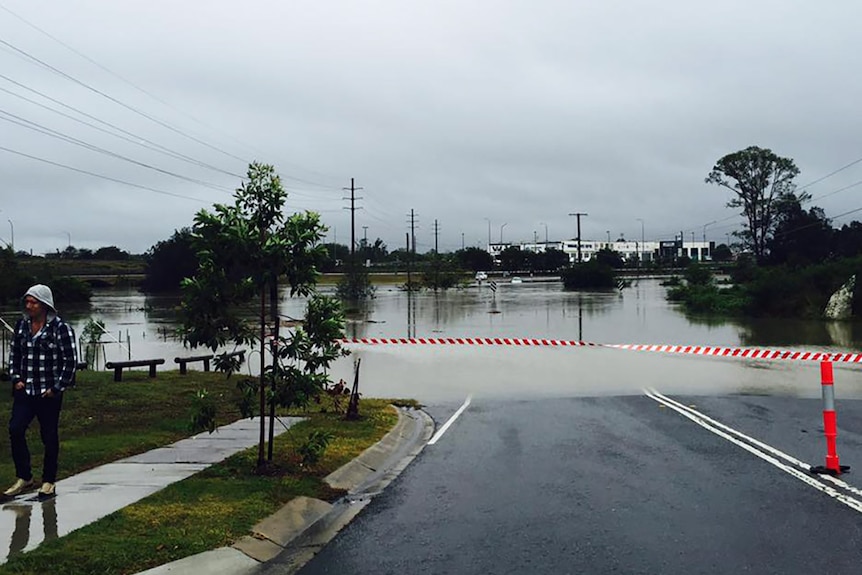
{"x":183,"y":361}
{"x":118,"y":366}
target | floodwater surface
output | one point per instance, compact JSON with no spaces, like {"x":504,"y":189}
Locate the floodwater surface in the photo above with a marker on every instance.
{"x":145,"y":327}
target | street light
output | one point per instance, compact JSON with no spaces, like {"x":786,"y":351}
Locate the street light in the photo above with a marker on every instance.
{"x":641,"y":254}
{"x":501,"y":234}
{"x":609,"y":237}
{"x":704,"y":236}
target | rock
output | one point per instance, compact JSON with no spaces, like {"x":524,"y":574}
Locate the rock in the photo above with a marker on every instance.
{"x":840,"y":304}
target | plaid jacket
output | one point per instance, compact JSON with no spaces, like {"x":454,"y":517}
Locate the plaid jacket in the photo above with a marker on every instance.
{"x":46,"y":360}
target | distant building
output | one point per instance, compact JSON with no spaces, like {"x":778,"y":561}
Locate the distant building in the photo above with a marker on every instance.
{"x":632,"y":251}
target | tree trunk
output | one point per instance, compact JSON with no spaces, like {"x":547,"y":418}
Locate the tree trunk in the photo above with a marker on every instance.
{"x":273,"y":311}
{"x":352,"y":413}
{"x":262,"y":413}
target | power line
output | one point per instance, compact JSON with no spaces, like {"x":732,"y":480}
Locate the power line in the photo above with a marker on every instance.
{"x":12,"y":118}
{"x":102,"y":176}
{"x":844,"y":189}
{"x":830,"y":174}
{"x":121,"y":103}
{"x":163,"y":101}
{"x":156,"y":146}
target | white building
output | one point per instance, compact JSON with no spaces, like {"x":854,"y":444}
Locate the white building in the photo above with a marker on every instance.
{"x":629,"y":250}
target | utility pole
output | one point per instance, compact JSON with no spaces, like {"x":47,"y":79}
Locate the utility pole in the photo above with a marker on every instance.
{"x":412,"y":245}
{"x":353,"y":189}
{"x":436,"y":236}
{"x":641,"y":255}
{"x":409,"y":280}
{"x":462,"y":241}
{"x":578,"y":216}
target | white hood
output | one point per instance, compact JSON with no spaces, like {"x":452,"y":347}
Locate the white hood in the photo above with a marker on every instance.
{"x":43,"y":294}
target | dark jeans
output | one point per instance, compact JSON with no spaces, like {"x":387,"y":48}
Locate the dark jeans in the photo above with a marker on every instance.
{"x":47,"y":411}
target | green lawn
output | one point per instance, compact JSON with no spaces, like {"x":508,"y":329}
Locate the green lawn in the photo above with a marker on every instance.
{"x":103,"y":421}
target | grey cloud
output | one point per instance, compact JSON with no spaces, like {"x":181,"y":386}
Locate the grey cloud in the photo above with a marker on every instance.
{"x":513,"y":111}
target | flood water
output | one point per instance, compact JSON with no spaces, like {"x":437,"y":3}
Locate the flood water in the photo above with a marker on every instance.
{"x":145,"y":326}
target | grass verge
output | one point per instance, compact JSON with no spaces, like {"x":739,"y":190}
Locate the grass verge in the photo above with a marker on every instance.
{"x":103,"y":421}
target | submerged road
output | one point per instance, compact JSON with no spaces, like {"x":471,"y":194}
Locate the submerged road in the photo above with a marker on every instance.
{"x":615,"y":485}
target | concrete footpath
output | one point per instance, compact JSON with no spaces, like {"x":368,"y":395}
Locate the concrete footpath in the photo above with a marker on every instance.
{"x":98,"y":492}
{"x":299,"y":530}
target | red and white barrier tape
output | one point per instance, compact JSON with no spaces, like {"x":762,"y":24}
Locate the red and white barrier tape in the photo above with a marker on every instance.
{"x":746,"y":353}
{"x":468,"y":341}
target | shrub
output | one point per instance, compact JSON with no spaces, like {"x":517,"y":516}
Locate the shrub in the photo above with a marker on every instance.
{"x":591,"y":275}
{"x":314,"y":447}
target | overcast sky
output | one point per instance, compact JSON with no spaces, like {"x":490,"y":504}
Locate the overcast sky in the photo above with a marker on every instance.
{"x":516,"y":113}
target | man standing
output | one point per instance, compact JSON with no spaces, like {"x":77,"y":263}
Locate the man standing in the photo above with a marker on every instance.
{"x":42,"y":362}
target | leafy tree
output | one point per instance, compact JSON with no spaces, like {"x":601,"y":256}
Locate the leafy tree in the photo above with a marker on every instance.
{"x":514,"y":258}
{"x":355,"y":284}
{"x":847,"y":242}
{"x":759,"y":178}
{"x":800,"y":237}
{"x":474,"y":259}
{"x":375,"y":252}
{"x":697,"y":275}
{"x":590,"y":275}
{"x":13,"y":281}
{"x":610,"y":258}
{"x":745,"y":269}
{"x":70,"y":253}
{"x":722,"y":253}
{"x":244,"y":249}
{"x":552,"y":260}
{"x":333,"y":257}
{"x":442,"y":273}
{"x":111,"y":253}
{"x":169,"y":262}
{"x":68,"y":289}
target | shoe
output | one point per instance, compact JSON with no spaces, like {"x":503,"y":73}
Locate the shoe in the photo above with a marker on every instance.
{"x":47,"y":491}
{"x":20,"y":486}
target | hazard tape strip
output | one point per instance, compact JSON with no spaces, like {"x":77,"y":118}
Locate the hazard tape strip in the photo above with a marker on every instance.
{"x":735,"y":352}
{"x":469,"y":341}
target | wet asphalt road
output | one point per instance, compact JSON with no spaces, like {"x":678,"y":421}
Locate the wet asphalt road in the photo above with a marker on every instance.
{"x":610,"y":485}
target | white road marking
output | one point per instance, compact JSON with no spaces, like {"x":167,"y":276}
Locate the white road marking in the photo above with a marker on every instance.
{"x":701,"y":420}
{"x":452,"y":419}
{"x":760,"y":444}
